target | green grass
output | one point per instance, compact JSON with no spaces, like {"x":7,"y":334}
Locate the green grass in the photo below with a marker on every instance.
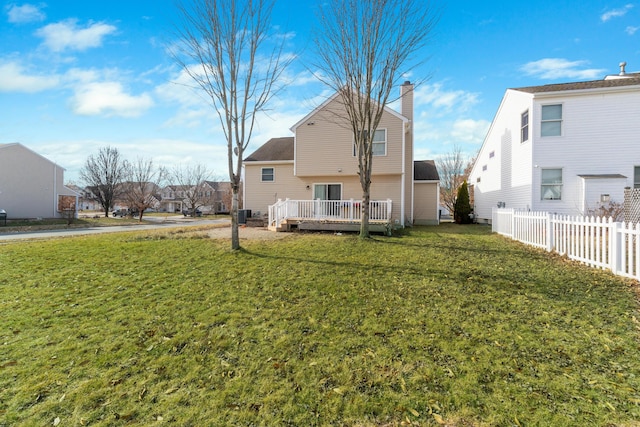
{"x":445,"y":324}
{"x":53,"y":224}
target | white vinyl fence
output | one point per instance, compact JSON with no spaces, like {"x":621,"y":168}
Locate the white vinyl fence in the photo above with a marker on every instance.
{"x":598,"y":242}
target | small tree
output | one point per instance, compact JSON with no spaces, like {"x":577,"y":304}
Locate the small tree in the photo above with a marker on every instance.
{"x":141,"y":188}
{"x":363,"y":50}
{"x":227,"y":48}
{"x":193,"y":178}
{"x":103,"y":174}
{"x":462,"y":210}
{"x":453,"y":171}
{"x":67,"y":207}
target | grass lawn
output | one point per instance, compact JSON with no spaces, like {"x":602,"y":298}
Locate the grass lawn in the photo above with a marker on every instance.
{"x":440,"y":325}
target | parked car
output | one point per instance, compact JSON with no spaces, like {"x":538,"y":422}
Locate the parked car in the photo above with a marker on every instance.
{"x":120,"y":213}
{"x":125,"y":212}
{"x":189,"y":212}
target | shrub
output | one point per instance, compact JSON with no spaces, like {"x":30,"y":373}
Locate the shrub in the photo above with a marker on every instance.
{"x":462,"y":209}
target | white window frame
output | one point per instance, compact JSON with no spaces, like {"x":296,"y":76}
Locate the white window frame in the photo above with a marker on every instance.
{"x":524,"y":127}
{"x":550,"y":121}
{"x":273,"y":174}
{"x":544,"y":185}
{"x":384,"y":142}
{"x":326,"y":185}
{"x":636,"y":177}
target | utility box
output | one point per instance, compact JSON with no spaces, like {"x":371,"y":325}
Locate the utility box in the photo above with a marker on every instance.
{"x":3,"y":216}
{"x":243,"y":214}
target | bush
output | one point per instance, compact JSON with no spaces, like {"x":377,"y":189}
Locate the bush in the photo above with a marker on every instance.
{"x":462,"y":210}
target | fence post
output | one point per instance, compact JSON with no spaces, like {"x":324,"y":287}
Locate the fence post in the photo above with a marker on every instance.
{"x":550,"y":232}
{"x":614,"y":245}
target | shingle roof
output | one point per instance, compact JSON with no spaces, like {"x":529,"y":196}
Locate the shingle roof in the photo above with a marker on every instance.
{"x":276,"y":149}
{"x":425,"y":170}
{"x":631,"y":80}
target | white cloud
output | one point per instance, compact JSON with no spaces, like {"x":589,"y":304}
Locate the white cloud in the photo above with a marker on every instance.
{"x":67,"y":35}
{"x":444,"y":101}
{"x":109,"y":99}
{"x":559,"y":68}
{"x":13,"y":78}
{"x":468,"y":130}
{"x":631,"y":30}
{"x":25,"y":13}
{"x":615,"y":13}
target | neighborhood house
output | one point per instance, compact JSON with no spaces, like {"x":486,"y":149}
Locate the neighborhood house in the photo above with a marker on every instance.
{"x":310,"y":180}
{"x":31,"y":186}
{"x":568,"y":148}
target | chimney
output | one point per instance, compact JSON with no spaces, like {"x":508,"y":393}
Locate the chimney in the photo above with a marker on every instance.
{"x":622,"y":65}
{"x":406,"y":96}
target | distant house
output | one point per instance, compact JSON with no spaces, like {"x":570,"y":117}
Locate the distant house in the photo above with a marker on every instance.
{"x":87,"y":200}
{"x":31,"y":186}
{"x":213,"y":197}
{"x":563,"y":148}
{"x":312,"y":177}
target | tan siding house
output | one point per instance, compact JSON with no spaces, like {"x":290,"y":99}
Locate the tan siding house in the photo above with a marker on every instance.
{"x":32,"y":186}
{"x":319,"y":163}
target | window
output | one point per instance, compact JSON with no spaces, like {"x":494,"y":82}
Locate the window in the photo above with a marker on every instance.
{"x":492,"y":154}
{"x":551,"y":184}
{"x":551,"y":120}
{"x":484,"y":168}
{"x":268,"y":175}
{"x":327,"y":191}
{"x":379,"y":143}
{"x":524,"y":126}
{"x":636,"y":177}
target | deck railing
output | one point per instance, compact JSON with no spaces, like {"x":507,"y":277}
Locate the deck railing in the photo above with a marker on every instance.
{"x":327,"y":210}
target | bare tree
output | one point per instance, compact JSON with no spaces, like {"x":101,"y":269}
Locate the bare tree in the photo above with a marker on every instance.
{"x":142,"y":185}
{"x":225,"y":48}
{"x":193,"y":178}
{"x":364,"y":48}
{"x":453,"y":169}
{"x":103,"y":174}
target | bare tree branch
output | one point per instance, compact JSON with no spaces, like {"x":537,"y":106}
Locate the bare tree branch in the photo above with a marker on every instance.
{"x":225,"y":49}
{"x":364,"y":48}
{"x":103,"y":174}
{"x":142,"y":186}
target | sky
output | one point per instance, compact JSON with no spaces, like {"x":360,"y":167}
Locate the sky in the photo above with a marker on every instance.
{"x":77,"y":75}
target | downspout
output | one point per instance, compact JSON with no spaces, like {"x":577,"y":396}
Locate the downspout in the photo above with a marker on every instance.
{"x":402,"y":183}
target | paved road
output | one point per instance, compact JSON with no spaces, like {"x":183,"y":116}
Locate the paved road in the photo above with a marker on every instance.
{"x":158,"y":222}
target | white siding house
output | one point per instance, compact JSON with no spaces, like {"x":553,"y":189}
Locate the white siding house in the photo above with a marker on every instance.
{"x":32,"y":186}
{"x":562,"y":148}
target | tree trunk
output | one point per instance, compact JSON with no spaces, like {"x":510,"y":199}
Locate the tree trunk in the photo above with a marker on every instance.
{"x":364,"y":221}
{"x":235,"y":237}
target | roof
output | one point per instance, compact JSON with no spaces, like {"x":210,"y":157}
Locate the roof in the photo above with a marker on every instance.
{"x":425,"y":170}
{"x":631,"y":79}
{"x":329,"y":100}
{"x":276,"y":149}
{"x":603,"y":176}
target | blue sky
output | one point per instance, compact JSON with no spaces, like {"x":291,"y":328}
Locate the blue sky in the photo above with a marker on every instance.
{"x":76,"y":76}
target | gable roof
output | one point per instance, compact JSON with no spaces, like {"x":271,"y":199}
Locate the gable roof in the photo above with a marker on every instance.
{"x":20,"y":146}
{"x":276,"y":149}
{"x":328,"y":101}
{"x":630,"y":80}
{"x":425,"y":170}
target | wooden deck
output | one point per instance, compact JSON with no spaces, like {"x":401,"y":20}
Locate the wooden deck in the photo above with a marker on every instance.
{"x":328,"y":215}
{"x":292,"y":224}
